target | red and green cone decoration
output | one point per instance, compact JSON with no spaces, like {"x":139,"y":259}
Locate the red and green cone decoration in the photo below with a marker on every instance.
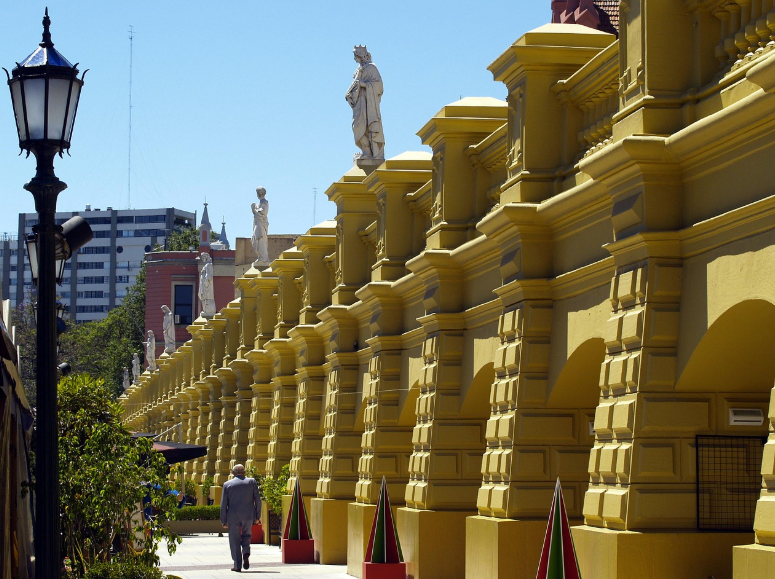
{"x":384,"y":546}
{"x":558,"y":557}
{"x":297,"y":525}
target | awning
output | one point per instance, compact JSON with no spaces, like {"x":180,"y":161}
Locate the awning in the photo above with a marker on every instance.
{"x":174,"y":452}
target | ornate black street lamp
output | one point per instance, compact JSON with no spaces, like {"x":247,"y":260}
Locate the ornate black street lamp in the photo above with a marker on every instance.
{"x":45,"y":89}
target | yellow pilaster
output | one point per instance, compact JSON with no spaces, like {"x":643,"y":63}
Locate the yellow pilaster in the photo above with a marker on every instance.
{"x":244,"y":394}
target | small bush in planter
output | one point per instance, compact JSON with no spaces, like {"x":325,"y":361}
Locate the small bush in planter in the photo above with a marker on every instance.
{"x":123,"y":569}
{"x":190,"y":489}
{"x":206,"y":485}
{"x":272,"y":489}
{"x":200,"y":513}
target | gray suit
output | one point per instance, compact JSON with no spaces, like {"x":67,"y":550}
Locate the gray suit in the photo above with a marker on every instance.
{"x":240,"y":507}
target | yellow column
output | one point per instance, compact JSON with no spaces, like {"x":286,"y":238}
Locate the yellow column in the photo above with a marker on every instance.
{"x":260,"y":410}
{"x":310,"y":379}
{"x":288,"y":268}
{"x":341,"y":444}
{"x":753,"y":561}
{"x":283,"y":406}
{"x":528,"y":444}
{"x":193,"y":422}
{"x":385,"y":445}
{"x":203,"y":391}
{"x":243,"y":371}
{"x":264,"y":285}
{"x":355,"y":211}
{"x":224,"y":464}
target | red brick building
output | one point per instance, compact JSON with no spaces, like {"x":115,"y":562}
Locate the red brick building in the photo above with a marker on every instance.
{"x":172,"y":279}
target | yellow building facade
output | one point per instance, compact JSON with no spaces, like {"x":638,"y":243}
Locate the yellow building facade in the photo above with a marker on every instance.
{"x":578,"y":282}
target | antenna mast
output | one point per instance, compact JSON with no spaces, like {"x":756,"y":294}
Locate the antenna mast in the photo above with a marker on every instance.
{"x":129,"y":147}
{"x":314,"y":205}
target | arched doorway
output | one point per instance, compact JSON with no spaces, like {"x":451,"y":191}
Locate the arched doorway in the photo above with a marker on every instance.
{"x":733,"y":366}
{"x":577,"y":390}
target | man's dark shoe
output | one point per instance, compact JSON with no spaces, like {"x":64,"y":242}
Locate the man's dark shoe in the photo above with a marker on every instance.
{"x":235,"y":569}
{"x":245,"y":562}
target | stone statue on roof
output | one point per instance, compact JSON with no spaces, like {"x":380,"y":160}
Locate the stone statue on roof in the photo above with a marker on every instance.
{"x":206,"y":290}
{"x":135,"y":368}
{"x":168,"y":330}
{"x":260,"y":238}
{"x":364,"y":96}
{"x":150,"y":351}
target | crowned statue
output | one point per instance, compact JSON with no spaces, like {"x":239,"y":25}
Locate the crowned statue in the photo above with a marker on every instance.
{"x":364,"y":96}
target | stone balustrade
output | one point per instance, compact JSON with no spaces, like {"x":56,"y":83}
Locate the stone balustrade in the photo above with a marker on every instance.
{"x":591,"y":99}
{"x":746,"y":29}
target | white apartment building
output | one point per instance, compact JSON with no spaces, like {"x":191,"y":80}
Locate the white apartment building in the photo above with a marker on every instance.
{"x":98,"y":275}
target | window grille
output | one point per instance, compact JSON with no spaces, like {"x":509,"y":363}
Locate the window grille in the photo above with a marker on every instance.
{"x":729,"y":481}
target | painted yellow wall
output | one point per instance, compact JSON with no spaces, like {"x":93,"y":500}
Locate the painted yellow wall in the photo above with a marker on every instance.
{"x":572,"y":283}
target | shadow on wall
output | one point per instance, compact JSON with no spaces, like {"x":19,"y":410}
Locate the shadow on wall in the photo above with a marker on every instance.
{"x":736,"y":354}
{"x":577,"y":386}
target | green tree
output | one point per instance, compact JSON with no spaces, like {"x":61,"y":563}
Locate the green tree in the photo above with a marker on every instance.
{"x":104,"y":476}
{"x":25,"y":339}
{"x":272,"y":489}
{"x":184,"y":238}
{"x":101,"y":348}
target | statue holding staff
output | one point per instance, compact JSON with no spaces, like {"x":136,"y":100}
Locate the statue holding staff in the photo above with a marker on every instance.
{"x":364,"y":96}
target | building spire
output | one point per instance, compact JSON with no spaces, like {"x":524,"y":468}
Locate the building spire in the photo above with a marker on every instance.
{"x":222,"y":237}
{"x":204,"y":229}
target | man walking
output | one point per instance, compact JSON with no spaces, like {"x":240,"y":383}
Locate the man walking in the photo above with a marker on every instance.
{"x":240,"y":509}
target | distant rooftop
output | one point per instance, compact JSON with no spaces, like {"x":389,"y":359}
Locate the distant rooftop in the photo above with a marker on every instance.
{"x":602,"y":15}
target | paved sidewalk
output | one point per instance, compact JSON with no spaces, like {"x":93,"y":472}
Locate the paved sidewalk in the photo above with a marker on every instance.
{"x":207,"y":556}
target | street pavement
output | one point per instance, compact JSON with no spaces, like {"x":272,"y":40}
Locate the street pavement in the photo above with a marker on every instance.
{"x":206,"y":556}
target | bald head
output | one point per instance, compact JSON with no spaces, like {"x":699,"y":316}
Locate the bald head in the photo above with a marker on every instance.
{"x":238,"y":470}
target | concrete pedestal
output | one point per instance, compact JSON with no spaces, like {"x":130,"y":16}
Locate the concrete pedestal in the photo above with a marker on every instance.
{"x":433,"y":542}
{"x":328,"y":518}
{"x":359,"y":519}
{"x":608,"y":554}
{"x":497,"y":548}
{"x":753,"y":562}
{"x":216,"y":492}
{"x":368,"y":165}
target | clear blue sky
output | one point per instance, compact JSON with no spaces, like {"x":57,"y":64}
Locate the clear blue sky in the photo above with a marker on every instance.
{"x":228,"y":96}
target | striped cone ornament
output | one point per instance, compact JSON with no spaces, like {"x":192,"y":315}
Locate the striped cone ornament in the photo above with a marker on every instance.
{"x":558,"y":557}
{"x":384,"y":546}
{"x":297,"y":525}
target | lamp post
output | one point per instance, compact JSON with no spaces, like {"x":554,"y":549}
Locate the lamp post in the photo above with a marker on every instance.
{"x":45,"y":89}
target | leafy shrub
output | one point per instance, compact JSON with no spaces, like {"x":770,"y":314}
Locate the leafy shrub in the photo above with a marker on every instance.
{"x":179,"y":479}
{"x":103,"y":475}
{"x":124,"y":569}
{"x":272,"y":489}
{"x":190,"y":488}
{"x":198,"y":513}
{"x":206,"y":484}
